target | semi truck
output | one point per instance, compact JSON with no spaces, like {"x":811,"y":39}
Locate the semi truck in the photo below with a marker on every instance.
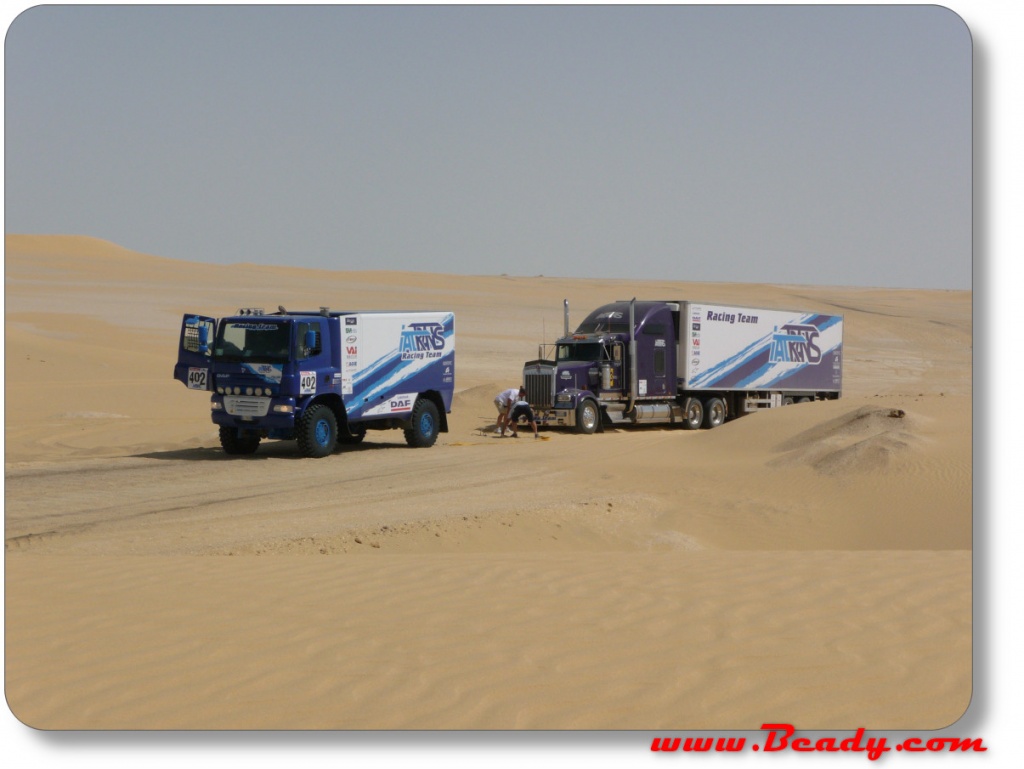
{"x":321,"y":378}
{"x":689,"y":363}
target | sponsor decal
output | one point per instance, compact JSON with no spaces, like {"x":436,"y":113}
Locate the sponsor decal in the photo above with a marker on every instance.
{"x":795,"y":343}
{"x":421,"y":341}
{"x":351,"y":338}
{"x":730,"y":317}
{"x":396,"y":404}
{"x":268,"y":372}
{"x":257,"y":326}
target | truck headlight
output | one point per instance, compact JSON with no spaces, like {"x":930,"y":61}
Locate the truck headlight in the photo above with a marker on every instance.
{"x":284,"y":408}
{"x":216,"y":406}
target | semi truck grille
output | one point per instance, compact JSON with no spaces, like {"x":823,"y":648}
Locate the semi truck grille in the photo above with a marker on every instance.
{"x":540,"y":386}
{"x":243,"y":406}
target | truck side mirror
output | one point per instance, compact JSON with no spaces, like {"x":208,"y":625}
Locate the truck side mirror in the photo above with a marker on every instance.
{"x":309,"y":341}
{"x":204,"y":338}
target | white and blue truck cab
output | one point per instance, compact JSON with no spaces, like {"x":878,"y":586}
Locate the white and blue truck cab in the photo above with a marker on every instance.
{"x":321,"y":378}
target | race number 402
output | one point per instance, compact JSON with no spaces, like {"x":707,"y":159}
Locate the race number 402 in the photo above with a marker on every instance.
{"x":307,"y":382}
{"x":197,"y":378}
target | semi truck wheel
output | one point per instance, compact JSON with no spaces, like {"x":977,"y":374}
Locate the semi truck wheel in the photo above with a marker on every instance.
{"x":317,"y":431}
{"x":693,"y":414}
{"x":235,"y":442}
{"x":714,"y":412}
{"x":424,"y":425}
{"x":587,"y":417}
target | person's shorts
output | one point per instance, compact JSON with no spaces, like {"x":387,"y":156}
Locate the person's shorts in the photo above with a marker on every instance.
{"x":522,"y":411}
{"x":501,"y":407}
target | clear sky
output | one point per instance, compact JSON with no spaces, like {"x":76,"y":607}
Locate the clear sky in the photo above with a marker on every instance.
{"x":826,"y":145}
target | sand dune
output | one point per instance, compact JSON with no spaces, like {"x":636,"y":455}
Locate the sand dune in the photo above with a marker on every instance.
{"x":809,"y":565}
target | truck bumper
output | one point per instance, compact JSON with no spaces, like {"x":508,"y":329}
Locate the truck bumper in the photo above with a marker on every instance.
{"x":556,"y":417}
{"x":269,"y":422}
{"x":253,"y":413}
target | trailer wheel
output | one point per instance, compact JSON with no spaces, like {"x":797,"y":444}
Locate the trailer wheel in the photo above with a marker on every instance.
{"x":237,"y":443}
{"x":714,"y":412}
{"x":317,"y":431}
{"x":588,"y":418}
{"x":693,"y":414}
{"x":424,"y":425}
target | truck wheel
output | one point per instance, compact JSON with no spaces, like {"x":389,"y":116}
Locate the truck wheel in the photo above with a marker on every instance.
{"x":424,"y":425}
{"x":317,"y":431}
{"x":587,"y":417}
{"x":714,"y":412}
{"x":237,"y":443}
{"x":693,"y":414}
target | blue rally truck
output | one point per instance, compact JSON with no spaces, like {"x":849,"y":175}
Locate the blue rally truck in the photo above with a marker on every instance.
{"x":688,"y":363}
{"x":321,"y":378}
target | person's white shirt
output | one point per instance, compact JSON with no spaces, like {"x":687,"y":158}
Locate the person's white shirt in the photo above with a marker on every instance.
{"x":508,"y":397}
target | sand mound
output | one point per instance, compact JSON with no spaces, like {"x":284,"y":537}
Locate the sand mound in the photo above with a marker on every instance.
{"x":866,"y":440}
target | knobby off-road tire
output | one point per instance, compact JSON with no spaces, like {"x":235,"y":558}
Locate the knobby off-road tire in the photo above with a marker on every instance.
{"x":424,"y":425}
{"x":237,"y":444}
{"x":317,"y":431}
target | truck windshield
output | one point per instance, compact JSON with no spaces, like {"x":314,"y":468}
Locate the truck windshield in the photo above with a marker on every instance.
{"x":253,"y":340}
{"x":589,"y":351}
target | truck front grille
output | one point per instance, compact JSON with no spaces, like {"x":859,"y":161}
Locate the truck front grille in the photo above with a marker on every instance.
{"x":540,"y":386}
{"x":243,"y":406}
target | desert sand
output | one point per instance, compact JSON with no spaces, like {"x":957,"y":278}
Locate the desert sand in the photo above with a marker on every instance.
{"x":807,"y":565}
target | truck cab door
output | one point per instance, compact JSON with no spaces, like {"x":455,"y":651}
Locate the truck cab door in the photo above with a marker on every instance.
{"x":313,"y":358}
{"x":656,"y":357}
{"x":195,"y":352}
